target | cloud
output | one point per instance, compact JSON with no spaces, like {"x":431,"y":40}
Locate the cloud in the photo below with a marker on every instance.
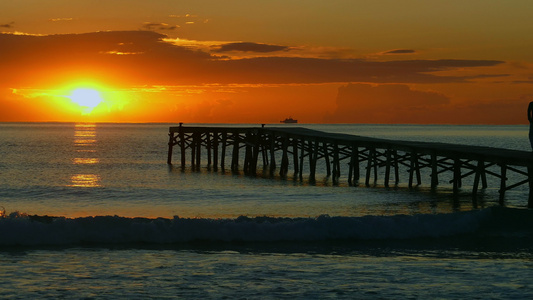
{"x":33,"y":60}
{"x":495,"y":111}
{"x":400,"y":51}
{"x":314,"y":70}
{"x":17,"y":107}
{"x":400,"y":103}
{"x":251,"y":47}
{"x":60,"y":19}
{"x":29,"y":60}
{"x":7,"y":25}
{"x":190,"y":19}
{"x":159,"y":26}
{"x":183,"y":16}
{"x":386,"y":103}
{"x":527,"y":80}
{"x":292,"y":51}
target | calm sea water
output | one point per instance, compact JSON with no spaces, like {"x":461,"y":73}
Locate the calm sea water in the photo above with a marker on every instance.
{"x":130,"y":226}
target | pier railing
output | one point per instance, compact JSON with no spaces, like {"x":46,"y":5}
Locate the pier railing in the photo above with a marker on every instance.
{"x":298,"y":146}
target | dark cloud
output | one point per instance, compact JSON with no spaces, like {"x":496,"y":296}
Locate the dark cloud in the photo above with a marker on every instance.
{"x":314,"y":70}
{"x":251,"y":47}
{"x":159,"y":26}
{"x":7,"y":25}
{"x":153,"y":60}
{"x":400,"y":51}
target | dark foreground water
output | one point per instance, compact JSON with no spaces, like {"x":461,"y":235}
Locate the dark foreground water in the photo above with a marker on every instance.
{"x":126,"y":225}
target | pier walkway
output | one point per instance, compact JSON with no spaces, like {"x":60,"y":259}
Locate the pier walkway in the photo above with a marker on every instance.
{"x":305,"y":148}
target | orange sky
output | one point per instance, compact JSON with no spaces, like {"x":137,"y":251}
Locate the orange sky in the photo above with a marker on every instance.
{"x":342,"y":61}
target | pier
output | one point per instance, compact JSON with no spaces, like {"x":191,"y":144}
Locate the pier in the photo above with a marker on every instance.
{"x":360,"y":159}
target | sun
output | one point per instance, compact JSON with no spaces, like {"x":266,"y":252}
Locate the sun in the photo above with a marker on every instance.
{"x":87,"y":98}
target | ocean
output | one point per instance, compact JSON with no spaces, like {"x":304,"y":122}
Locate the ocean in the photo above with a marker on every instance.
{"x":92,"y":210}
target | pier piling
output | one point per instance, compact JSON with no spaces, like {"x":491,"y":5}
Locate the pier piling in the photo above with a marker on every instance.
{"x":328,"y":150}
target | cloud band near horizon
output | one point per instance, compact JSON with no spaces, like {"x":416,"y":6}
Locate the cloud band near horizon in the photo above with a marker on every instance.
{"x":144,"y":58}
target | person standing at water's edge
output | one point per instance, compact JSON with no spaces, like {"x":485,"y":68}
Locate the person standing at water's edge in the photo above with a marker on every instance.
{"x":530,"y":118}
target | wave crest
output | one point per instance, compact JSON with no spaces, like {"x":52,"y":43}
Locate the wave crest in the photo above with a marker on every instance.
{"x":21,"y":229}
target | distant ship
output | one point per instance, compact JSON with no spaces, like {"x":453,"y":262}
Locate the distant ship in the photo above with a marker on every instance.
{"x":289,"y":120}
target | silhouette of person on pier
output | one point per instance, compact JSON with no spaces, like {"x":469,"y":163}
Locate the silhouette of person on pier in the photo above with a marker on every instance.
{"x":530,"y":118}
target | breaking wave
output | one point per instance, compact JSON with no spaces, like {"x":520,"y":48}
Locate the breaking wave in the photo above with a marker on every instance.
{"x":19,"y":229}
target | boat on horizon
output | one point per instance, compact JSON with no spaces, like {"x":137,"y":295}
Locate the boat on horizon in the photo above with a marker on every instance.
{"x":289,"y":120}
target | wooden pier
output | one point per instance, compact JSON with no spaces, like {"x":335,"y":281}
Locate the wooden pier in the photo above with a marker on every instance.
{"x":304,"y":148}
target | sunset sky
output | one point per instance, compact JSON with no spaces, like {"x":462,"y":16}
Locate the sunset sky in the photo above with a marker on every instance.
{"x":242,"y":61}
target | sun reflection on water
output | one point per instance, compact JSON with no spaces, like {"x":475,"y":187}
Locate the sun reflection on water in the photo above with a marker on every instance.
{"x":84,"y":143}
{"x":85,"y":180}
{"x":85,"y":147}
{"x":85,"y":161}
{"x":80,"y":133}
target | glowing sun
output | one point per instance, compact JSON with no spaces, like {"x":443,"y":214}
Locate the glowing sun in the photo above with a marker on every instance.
{"x":88,"y":99}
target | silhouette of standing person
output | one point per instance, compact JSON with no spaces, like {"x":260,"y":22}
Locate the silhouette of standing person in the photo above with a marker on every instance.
{"x":530,"y":119}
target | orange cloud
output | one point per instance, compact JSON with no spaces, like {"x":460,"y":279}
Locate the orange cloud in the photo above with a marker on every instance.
{"x":60,"y":19}
{"x":166,"y":80}
{"x":400,"y":51}
{"x":34,"y":59}
{"x":388,"y":103}
{"x":393,"y":103}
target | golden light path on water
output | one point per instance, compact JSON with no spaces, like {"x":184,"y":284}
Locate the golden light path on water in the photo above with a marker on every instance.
{"x":84,"y":145}
{"x":85,"y":180}
{"x":85,"y":161}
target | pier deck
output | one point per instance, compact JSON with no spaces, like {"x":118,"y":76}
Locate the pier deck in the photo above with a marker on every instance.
{"x":306,"y":146}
